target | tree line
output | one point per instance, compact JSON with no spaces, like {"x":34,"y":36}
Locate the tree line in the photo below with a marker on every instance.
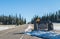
{"x":54,"y":17}
{"x":8,"y":20}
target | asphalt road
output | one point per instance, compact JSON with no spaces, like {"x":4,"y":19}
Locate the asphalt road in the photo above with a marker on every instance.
{"x":15,"y":33}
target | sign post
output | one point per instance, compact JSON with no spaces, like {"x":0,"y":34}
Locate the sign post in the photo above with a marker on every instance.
{"x":36,"y":25}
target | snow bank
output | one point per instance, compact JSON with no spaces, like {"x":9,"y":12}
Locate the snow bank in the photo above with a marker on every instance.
{"x":3,"y":28}
{"x":56,"y":26}
{"x":44,"y":34}
{"x":29,"y":28}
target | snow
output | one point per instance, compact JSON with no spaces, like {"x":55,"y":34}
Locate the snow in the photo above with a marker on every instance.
{"x":3,"y":28}
{"x":29,"y":28}
{"x":56,"y":26}
{"x":44,"y":34}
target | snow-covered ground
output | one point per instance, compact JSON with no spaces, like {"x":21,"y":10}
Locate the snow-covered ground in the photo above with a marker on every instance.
{"x":4,"y":27}
{"x":45,"y":34}
{"x":56,"y":26}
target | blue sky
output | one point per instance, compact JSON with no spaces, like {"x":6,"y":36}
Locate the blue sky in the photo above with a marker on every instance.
{"x":28,"y":8}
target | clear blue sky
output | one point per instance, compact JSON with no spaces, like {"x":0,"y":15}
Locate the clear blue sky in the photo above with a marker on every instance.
{"x":28,"y":8}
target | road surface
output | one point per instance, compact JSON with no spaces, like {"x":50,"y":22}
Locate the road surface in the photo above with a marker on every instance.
{"x":15,"y":33}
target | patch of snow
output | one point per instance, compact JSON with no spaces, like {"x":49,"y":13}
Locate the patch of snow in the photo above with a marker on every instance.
{"x":44,"y":34}
{"x":3,"y":28}
{"x":56,"y":27}
{"x":29,"y":28}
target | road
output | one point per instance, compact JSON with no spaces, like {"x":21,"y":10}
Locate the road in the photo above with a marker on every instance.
{"x":15,"y":33}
